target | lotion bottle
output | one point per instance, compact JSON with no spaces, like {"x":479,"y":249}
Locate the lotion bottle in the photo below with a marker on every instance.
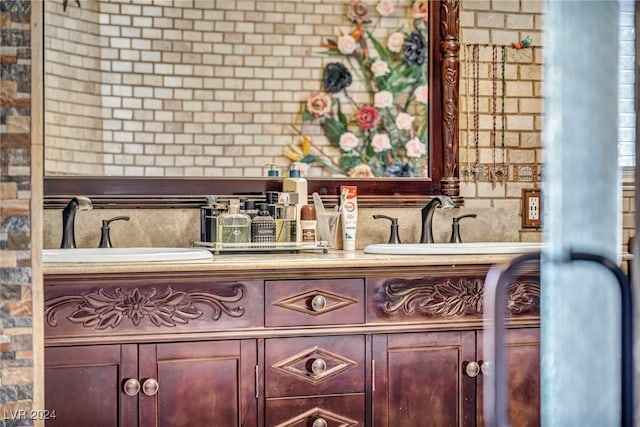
{"x":295,"y":183}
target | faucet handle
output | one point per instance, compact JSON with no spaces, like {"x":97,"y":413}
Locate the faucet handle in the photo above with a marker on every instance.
{"x":105,"y":238}
{"x":394,"y":238}
{"x":455,"y":227}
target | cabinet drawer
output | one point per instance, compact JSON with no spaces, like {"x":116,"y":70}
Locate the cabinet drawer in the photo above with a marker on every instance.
{"x":314,"y":365}
{"x":314,"y":302}
{"x":346,"y":410}
{"x":139,"y":305}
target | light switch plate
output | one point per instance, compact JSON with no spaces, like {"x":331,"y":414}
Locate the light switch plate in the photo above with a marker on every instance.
{"x":531,"y":208}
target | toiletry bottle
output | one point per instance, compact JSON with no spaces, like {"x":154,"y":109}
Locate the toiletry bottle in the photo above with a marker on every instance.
{"x":286,"y":224}
{"x":349,"y":207}
{"x":308,"y":224}
{"x":272,"y":200}
{"x":263,"y":227}
{"x":273,"y":171}
{"x":249,"y":208}
{"x":295,"y":183}
{"x":234,"y":227}
{"x":206,"y":220}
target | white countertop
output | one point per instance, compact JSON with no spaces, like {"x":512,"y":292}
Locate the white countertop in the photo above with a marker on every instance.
{"x":282,"y":261}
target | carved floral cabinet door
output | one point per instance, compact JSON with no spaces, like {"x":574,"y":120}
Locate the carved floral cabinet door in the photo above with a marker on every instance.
{"x":419,"y":379}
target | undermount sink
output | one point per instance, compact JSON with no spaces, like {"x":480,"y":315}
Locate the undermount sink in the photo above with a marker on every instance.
{"x":474,"y":248}
{"x":100,"y":255}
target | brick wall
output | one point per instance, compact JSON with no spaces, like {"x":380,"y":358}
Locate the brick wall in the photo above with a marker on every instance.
{"x":16,"y":328}
{"x":202,"y":88}
{"x":515,"y":148}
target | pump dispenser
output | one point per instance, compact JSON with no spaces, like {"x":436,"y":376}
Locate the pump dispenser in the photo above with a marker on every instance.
{"x":295,"y":183}
{"x":273,"y":170}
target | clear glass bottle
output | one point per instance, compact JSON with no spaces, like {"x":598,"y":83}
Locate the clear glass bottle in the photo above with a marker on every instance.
{"x":234,"y":227}
{"x":286,"y":231}
{"x":263,"y":227}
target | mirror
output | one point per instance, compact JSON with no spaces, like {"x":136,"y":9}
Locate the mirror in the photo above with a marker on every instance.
{"x":196,"y":109}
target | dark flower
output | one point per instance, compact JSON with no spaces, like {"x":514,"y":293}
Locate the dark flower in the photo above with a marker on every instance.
{"x":401,"y":169}
{"x":368,"y":117}
{"x":358,"y":11}
{"x":414,"y":48}
{"x":335,"y":77}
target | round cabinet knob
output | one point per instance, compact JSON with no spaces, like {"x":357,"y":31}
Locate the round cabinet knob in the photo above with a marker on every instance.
{"x":150,"y":387}
{"x":318,"y":303}
{"x":319,"y":422}
{"x":472,"y":369}
{"x":318,"y":366}
{"x":131,"y":387}
{"x":485,"y":367}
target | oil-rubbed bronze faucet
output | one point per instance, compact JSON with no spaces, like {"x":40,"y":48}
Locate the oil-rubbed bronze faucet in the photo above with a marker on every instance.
{"x":78,"y":203}
{"x":444,"y":202}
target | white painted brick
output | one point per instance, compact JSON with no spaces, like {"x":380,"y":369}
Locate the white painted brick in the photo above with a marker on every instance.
{"x":490,"y":20}
{"x":520,"y":22}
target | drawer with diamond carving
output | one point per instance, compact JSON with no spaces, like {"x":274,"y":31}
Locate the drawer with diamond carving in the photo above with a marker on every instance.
{"x":314,"y":302}
{"x":329,"y":411}
{"x":314,"y":365}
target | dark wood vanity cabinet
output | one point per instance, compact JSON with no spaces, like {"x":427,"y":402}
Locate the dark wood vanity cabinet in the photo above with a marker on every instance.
{"x":168,"y":384}
{"x":181,"y":350}
{"x":437,"y":379}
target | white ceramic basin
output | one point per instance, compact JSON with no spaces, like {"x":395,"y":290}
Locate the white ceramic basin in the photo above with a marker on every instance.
{"x":474,"y":248}
{"x":121,"y":255}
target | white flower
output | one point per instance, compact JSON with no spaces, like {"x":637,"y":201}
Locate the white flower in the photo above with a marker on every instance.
{"x":404,"y":120}
{"x":422,"y":94}
{"x":380,"y":68}
{"x":383,"y":99}
{"x":348,"y":141}
{"x":346,"y":44}
{"x":385,"y":7}
{"x":304,"y":169}
{"x":395,"y":42}
{"x":380,"y":142}
{"x":415,"y":148}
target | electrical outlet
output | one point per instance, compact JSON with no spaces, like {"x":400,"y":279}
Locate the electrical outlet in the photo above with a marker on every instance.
{"x":531,"y":208}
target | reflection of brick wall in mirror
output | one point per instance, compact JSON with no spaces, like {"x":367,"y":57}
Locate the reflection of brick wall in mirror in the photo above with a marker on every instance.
{"x":168,"y":89}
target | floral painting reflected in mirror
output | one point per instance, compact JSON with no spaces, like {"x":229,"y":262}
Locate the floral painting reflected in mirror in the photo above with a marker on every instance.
{"x":373,"y":105}
{"x":215,"y":88}
{"x":215,"y":93}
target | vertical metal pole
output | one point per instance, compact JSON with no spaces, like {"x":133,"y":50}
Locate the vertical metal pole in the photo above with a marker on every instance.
{"x":580,"y":310}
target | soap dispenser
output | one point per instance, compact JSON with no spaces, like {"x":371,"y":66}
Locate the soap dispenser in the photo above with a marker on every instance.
{"x":273,"y":170}
{"x":295,"y":183}
{"x":455,"y":228}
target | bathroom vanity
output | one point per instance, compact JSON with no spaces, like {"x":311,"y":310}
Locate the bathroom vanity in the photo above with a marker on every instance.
{"x":309,"y":339}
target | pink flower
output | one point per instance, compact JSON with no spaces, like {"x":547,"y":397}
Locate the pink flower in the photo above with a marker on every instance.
{"x":358,"y":11}
{"x":380,"y":68}
{"x":346,"y":44}
{"x":383,"y":99}
{"x":385,"y":7}
{"x":415,"y":148}
{"x":404,"y":120}
{"x":420,"y":9}
{"x":368,"y":117}
{"x":380,"y":142}
{"x":348,"y":141}
{"x":422,"y":94}
{"x":395,"y":42}
{"x":318,"y":104}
